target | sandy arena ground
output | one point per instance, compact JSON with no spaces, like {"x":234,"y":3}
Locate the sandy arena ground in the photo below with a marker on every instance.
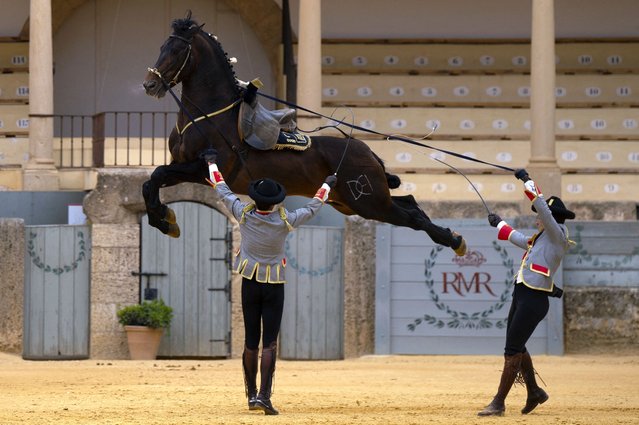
{"x":597,"y":389}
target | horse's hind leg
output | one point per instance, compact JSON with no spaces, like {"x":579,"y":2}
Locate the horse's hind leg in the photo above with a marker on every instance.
{"x":160,"y":215}
{"x":418,"y":220}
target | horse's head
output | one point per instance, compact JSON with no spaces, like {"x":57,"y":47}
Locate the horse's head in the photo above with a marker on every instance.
{"x":175,"y":57}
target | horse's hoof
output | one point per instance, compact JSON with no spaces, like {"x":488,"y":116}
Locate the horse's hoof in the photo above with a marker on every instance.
{"x":461,"y":249}
{"x":170,"y":216}
{"x":174,"y":230}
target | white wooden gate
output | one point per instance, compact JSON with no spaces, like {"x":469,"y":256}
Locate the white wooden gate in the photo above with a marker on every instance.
{"x":56,"y":299}
{"x":312,"y":325}
{"x":429,"y":301}
{"x":192,"y":275}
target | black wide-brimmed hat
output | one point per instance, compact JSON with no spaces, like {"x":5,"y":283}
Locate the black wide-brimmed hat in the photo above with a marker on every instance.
{"x":266,"y":192}
{"x":558,"y":208}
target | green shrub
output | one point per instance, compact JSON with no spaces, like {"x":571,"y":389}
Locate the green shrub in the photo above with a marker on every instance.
{"x":154,"y":314}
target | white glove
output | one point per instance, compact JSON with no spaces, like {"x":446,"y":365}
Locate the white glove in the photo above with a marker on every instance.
{"x":531,"y":190}
{"x":322,"y":192}
{"x":215,"y":175}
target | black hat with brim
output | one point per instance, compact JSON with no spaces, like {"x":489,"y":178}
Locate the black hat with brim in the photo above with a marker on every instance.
{"x":266,"y":192}
{"x":558,"y":209}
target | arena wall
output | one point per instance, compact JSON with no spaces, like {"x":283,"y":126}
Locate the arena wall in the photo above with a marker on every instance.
{"x":597,"y":317}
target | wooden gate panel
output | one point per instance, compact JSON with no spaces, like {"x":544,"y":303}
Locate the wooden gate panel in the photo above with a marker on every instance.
{"x":195,"y":282}
{"x":312,"y":326}
{"x":57,"y":285}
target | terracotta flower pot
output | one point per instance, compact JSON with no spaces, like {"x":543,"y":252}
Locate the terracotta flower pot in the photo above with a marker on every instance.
{"x":144,"y":342}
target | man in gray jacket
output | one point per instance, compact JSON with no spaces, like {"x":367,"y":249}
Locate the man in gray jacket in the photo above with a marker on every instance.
{"x":261,"y":263}
{"x":533,"y":285}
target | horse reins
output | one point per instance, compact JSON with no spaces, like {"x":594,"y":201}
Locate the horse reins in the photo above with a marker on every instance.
{"x":393,"y":137}
{"x":386,"y":136}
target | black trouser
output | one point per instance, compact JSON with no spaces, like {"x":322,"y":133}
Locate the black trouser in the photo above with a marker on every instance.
{"x":529,"y":307}
{"x":262,"y":305}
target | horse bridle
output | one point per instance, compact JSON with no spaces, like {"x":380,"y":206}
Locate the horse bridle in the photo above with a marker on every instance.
{"x":174,"y":80}
{"x":193,"y":121}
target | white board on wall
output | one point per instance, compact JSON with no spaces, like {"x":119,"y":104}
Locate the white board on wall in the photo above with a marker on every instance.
{"x":429,"y":301}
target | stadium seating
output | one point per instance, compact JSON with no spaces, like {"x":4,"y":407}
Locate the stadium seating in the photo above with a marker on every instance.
{"x":14,"y":87}
{"x":596,"y":90}
{"x":419,"y":57}
{"x":486,"y":123}
{"x":14,"y":120}
{"x":477,"y":97}
{"x":14,"y":112}
{"x":14,"y":56}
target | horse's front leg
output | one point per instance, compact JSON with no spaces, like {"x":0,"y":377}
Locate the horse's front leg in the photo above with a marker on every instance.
{"x":160,"y":216}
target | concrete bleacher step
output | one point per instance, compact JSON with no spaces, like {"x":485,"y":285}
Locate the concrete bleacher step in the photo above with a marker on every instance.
{"x":14,"y":120}
{"x":14,"y":151}
{"x":14,"y":87}
{"x":486,"y":123}
{"x":504,"y":188}
{"x":423,"y":57}
{"x":590,"y":90}
{"x":573,"y":156}
{"x":14,"y":56}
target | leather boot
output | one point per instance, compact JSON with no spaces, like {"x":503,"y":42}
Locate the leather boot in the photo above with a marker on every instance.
{"x":497,"y":407}
{"x":267,"y":371}
{"x":536,"y":395}
{"x":249,"y":364}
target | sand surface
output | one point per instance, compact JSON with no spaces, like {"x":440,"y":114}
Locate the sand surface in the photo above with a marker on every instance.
{"x":593,"y":389}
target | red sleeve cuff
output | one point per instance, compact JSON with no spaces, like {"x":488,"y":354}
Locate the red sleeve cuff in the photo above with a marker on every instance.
{"x":504,"y":232}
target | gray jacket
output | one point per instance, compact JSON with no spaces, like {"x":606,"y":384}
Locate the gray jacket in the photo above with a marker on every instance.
{"x":544,"y":250}
{"x":261,"y":253}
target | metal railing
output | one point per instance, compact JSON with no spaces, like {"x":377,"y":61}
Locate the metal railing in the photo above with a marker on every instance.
{"x":112,"y":139}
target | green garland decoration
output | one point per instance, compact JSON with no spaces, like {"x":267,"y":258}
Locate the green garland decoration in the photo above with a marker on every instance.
{"x":320,"y":271}
{"x":56,"y":270}
{"x":460,"y":319}
{"x":585,"y":257}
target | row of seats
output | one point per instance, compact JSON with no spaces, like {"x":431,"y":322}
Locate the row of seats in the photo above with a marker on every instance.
{"x":485,"y":123}
{"x":438,"y":185}
{"x":14,"y":110}
{"x":14,"y":56}
{"x":587,"y":156}
{"x":14,"y":120}
{"x":505,"y":188}
{"x":476,"y":90}
{"x":14,"y":87}
{"x":424,"y":57}
{"x":584,"y":156}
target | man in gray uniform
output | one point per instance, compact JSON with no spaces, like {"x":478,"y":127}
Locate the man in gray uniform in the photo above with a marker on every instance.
{"x":261,"y":263}
{"x":533,"y":285}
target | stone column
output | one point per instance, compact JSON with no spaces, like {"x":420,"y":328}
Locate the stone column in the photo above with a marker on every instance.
{"x":309,"y":63}
{"x":40,"y":172}
{"x":543,"y":166}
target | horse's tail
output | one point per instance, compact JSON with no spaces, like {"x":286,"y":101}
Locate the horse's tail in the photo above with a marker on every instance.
{"x":392,"y":180}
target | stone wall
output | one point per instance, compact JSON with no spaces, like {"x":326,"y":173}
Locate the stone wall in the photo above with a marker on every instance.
{"x":12,"y":254}
{"x":598,"y":320}
{"x":359,"y":287}
{"x":115,"y":252}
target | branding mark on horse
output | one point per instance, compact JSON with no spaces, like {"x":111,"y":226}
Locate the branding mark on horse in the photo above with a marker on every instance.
{"x":360,"y":187}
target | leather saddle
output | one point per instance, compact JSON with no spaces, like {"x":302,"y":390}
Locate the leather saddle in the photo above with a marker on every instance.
{"x":262,"y":128}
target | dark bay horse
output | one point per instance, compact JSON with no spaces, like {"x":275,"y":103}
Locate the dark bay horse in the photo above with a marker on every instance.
{"x":211,"y":95}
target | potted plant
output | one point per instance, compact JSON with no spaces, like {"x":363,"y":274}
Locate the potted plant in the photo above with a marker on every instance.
{"x":144,"y":325}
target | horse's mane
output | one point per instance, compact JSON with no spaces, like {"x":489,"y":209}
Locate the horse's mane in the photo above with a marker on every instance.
{"x":187,"y":28}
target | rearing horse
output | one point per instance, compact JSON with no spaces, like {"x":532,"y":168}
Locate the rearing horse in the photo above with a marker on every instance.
{"x":211,"y":95}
